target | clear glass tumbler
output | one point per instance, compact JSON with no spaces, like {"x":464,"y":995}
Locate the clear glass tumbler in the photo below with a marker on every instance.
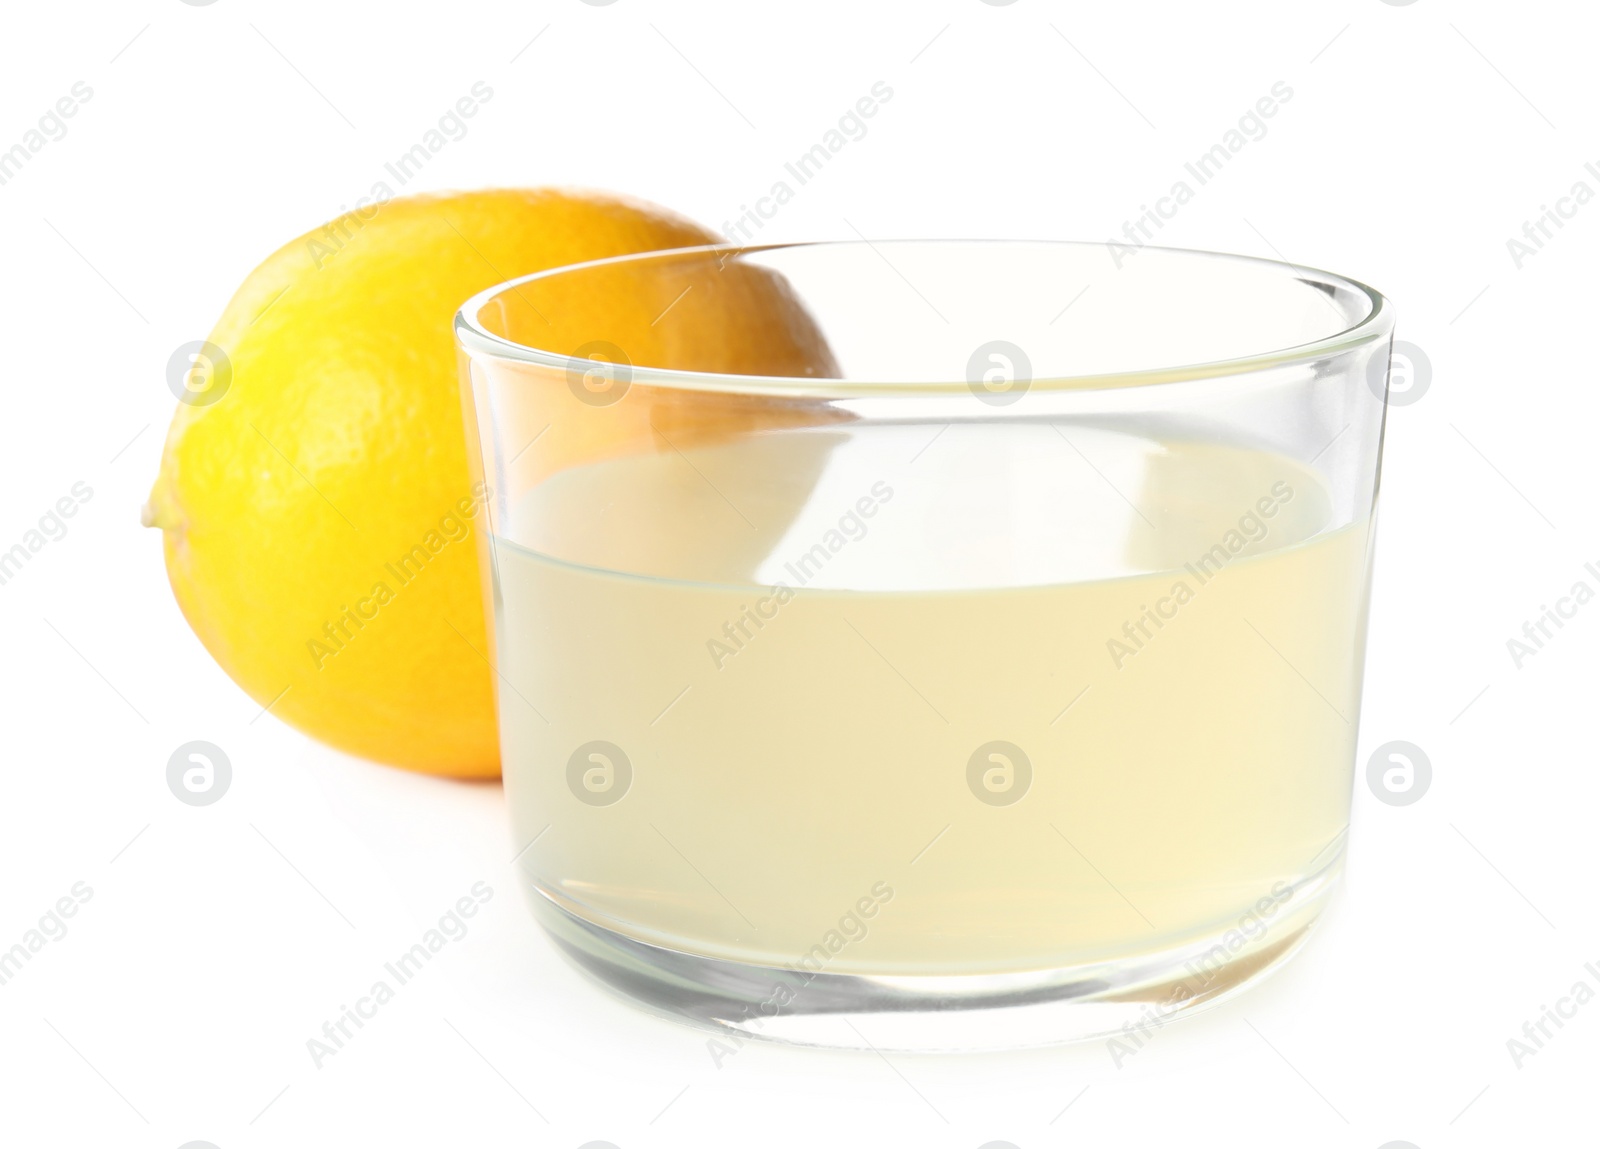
{"x":930,"y":645}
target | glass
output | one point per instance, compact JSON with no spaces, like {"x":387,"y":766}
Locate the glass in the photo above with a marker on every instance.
{"x":930,"y":645}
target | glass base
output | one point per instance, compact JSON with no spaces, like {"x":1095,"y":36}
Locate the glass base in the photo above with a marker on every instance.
{"x":1128,"y":998}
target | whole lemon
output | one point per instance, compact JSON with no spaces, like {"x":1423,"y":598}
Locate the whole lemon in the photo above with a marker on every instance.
{"x":323,"y":458}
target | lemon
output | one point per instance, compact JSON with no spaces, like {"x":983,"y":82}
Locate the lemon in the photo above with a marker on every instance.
{"x":317,"y":513}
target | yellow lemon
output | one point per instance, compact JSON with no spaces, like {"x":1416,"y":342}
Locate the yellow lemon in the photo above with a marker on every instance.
{"x":314,"y":491}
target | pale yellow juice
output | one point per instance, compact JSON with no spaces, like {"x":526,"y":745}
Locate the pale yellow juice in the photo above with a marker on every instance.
{"x":1023,"y":698}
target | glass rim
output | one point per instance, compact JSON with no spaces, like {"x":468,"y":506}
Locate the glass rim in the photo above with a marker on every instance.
{"x":475,"y":339}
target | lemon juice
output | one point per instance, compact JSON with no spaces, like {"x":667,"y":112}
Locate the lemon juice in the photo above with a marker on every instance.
{"x":885,"y":701}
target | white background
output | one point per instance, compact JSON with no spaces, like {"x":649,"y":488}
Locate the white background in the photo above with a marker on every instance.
{"x":1418,"y":140}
